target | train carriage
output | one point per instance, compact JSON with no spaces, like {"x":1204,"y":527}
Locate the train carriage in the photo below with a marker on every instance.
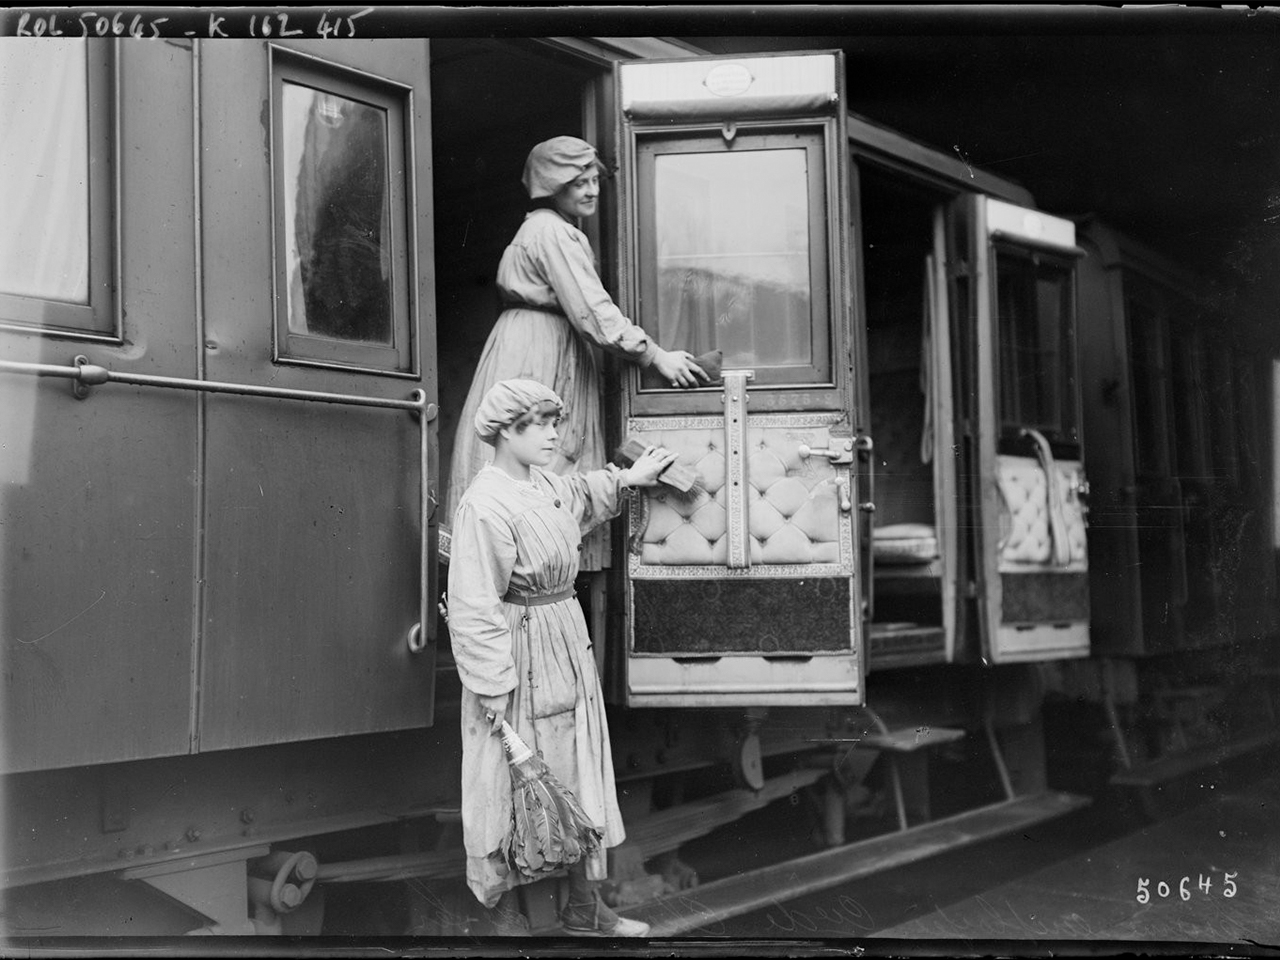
{"x":238,"y":376}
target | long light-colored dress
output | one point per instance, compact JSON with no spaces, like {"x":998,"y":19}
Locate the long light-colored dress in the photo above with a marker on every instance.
{"x":516,"y":537}
{"x":558,"y":314}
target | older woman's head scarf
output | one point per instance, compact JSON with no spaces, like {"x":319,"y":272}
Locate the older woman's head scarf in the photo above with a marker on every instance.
{"x":556,"y":162}
{"x":509,"y":400}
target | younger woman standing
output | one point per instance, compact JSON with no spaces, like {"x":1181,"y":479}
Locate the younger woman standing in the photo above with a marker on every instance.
{"x":520,"y":639}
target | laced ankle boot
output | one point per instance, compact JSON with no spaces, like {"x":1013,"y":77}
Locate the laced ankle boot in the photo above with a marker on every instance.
{"x":586,"y":915}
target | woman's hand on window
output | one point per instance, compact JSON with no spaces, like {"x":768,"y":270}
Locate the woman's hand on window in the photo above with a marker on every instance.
{"x":679,"y":368}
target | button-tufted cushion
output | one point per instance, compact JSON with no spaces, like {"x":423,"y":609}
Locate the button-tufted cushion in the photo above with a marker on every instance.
{"x":1025,"y":535}
{"x":793,"y":507}
{"x":905,"y":543}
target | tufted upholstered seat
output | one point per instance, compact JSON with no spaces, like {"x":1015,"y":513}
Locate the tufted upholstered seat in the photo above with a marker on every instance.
{"x":1025,"y":532}
{"x":793,"y":507}
{"x":905,"y":543}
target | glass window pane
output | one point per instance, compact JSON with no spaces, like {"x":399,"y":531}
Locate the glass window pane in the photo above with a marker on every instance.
{"x":1275,"y":452}
{"x":1247,"y":419}
{"x":1036,"y":363}
{"x":44,"y":162}
{"x":1149,"y":384}
{"x":1189,"y":404}
{"x":1223,"y":415}
{"x":733,"y":257}
{"x":337,"y":216}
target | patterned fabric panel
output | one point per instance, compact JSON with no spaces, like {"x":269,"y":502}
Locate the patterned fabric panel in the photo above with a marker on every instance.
{"x":1045,"y":597}
{"x":710,"y":617}
{"x":793,"y":503}
{"x":1025,"y":529}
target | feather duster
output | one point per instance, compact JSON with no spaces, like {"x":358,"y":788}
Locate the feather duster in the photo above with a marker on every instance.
{"x":549,"y":829}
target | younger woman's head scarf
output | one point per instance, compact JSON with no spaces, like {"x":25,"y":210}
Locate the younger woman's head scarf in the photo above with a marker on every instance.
{"x":556,"y":162}
{"x":509,"y":400}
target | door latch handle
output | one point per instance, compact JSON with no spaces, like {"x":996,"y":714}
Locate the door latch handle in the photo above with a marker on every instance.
{"x":842,"y":488}
{"x":841,"y":454}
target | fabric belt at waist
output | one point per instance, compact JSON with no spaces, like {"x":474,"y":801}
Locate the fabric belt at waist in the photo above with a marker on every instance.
{"x":527,"y":601}
{"x":521,"y":305}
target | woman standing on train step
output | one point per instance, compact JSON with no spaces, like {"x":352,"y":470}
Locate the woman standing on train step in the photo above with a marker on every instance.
{"x":520,"y":640}
{"x":556,"y":313}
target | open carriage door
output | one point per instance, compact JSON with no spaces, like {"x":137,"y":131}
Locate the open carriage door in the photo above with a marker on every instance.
{"x":744,"y":590}
{"x":1030,"y":547}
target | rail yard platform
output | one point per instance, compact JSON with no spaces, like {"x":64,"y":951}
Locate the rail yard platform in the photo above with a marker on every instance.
{"x":1208,"y":875}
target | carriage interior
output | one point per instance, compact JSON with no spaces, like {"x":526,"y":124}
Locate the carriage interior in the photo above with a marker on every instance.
{"x":897,"y":236}
{"x":486,"y":118}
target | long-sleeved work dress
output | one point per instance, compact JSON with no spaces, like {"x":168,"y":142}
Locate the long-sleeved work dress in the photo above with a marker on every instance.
{"x":557,"y":314}
{"x":516,"y":538}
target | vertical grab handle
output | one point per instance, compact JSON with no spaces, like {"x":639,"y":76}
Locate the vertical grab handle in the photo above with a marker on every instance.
{"x":866,"y":450}
{"x":418,"y":637}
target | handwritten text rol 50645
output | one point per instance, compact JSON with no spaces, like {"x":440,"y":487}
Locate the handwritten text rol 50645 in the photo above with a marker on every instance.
{"x":1185,"y":888}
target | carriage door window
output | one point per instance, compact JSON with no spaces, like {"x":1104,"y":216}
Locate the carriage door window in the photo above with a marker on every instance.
{"x":1150,"y":373}
{"x":341,"y":220}
{"x":733,"y":250}
{"x":1037,"y":355}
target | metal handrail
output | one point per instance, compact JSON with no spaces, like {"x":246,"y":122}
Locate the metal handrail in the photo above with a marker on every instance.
{"x":85,"y":374}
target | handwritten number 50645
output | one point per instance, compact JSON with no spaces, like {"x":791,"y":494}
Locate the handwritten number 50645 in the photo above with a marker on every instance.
{"x":1184,"y":888}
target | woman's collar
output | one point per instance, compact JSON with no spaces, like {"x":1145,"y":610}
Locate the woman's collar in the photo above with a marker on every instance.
{"x":573,"y":222}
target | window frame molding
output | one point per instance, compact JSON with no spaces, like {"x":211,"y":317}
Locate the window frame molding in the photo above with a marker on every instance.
{"x":99,"y":320}
{"x":1065,"y":443}
{"x":811,"y":138}
{"x":399,"y":358}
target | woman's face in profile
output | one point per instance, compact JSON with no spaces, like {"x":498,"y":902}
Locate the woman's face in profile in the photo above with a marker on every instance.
{"x":578,"y":197}
{"x":533,"y":440}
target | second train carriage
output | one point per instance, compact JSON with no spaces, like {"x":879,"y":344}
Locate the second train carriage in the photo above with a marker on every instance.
{"x":891,"y":546}
{"x":1179,"y":413}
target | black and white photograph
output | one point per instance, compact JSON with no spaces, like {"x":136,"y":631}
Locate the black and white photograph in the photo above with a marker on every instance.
{"x":496,"y":480}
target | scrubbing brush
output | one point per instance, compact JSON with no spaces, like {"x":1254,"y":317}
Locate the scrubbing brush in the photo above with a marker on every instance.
{"x":684,"y":481}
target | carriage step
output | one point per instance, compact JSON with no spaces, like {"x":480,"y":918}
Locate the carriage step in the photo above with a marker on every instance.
{"x":719,"y":900}
{"x":909,"y":739}
{"x":1183,"y":762}
{"x":665,"y":830}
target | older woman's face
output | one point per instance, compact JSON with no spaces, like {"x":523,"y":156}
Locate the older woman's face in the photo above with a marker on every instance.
{"x":578,"y":197}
